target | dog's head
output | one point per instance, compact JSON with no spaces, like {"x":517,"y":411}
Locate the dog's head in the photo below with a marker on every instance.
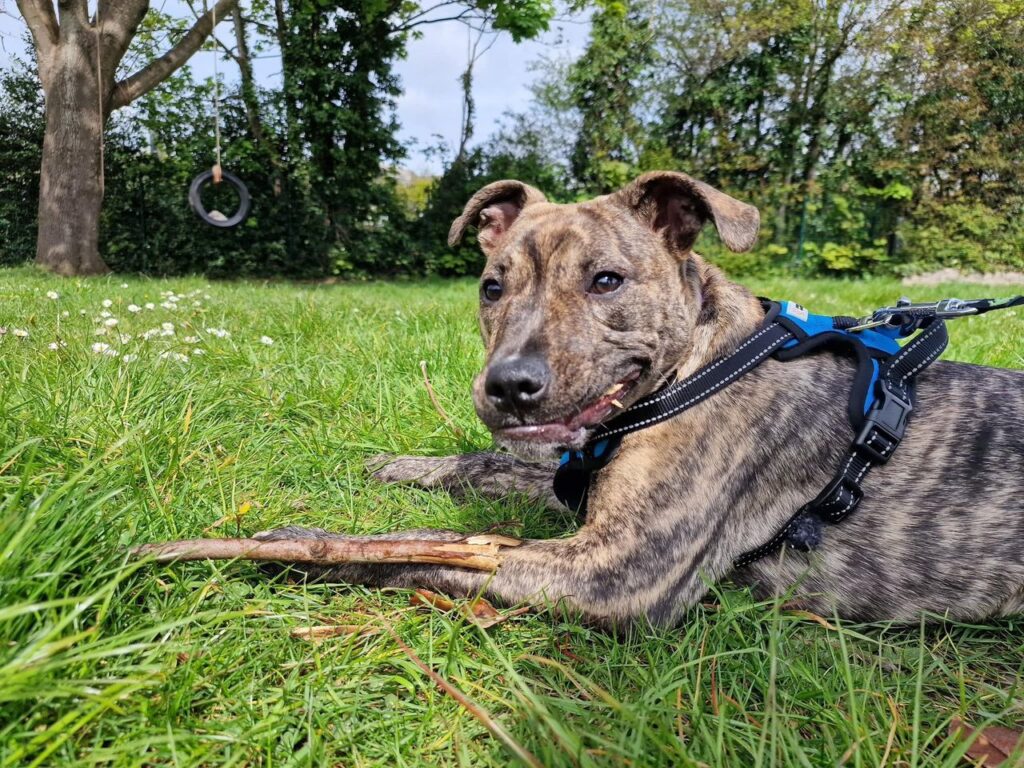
{"x":586,"y":307}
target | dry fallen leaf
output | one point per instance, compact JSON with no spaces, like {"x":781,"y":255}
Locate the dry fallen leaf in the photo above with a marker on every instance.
{"x":325,"y":631}
{"x":243,"y":509}
{"x":991,"y":746}
{"x":813,"y":617}
{"x":479,"y":611}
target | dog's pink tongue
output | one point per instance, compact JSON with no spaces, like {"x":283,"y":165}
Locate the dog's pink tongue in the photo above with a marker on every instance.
{"x":592,"y":414}
{"x":598,"y":410}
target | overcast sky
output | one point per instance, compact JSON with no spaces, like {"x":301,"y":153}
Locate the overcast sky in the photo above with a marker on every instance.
{"x":431,"y":102}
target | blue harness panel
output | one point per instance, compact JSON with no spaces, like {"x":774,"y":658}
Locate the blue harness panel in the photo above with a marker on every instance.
{"x":878,"y":342}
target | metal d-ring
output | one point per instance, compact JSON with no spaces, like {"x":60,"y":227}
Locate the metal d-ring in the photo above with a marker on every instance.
{"x":195,"y":200}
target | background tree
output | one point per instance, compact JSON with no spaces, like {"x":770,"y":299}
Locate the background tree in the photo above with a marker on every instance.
{"x":605,"y":87}
{"x":79,"y":60}
{"x":21,"y":137}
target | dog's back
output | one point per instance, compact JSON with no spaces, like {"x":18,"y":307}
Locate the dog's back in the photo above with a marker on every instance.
{"x":941,"y":527}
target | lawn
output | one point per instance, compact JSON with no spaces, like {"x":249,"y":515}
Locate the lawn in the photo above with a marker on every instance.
{"x":255,"y":407}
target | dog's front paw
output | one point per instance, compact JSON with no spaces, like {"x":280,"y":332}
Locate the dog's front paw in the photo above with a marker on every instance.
{"x":424,"y":471}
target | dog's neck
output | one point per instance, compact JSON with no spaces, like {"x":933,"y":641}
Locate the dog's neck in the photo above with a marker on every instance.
{"x":724,"y":313}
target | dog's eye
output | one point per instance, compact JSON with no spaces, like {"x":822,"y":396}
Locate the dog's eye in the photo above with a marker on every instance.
{"x":606,"y":282}
{"x":491,"y":290}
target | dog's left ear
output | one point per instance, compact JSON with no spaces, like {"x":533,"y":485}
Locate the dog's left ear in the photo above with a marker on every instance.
{"x":679,"y":206}
{"x":492,"y":210}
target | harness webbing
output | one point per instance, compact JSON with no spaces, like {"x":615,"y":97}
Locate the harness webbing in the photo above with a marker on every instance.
{"x":883,"y":429}
{"x":880,"y":400}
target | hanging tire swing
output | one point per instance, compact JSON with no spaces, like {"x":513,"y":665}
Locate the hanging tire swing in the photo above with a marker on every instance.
{"x":216,"y":175}
{"x":215,"y":218}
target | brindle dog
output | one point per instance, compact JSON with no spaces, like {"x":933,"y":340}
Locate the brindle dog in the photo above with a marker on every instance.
{"x":578,"y":298}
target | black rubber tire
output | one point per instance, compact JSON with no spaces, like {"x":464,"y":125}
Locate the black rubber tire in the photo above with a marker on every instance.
{"x":244,"y":200}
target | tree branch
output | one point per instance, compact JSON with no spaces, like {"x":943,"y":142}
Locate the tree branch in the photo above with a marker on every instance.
{"x":42,"y":23}
{"x":74,"y":15}
{"x":462,"y":16}
{"x":119,"y":22}
{"x":147,"y":78}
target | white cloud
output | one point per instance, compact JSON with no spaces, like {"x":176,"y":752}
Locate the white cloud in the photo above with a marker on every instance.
{"x":431,"y":102}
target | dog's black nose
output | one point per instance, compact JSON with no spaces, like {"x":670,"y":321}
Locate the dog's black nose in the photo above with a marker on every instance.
{"x":517,"y":383}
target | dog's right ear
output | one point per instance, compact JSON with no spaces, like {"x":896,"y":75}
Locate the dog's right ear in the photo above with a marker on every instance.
{"x":678,"y":206}
{"x":492,"y":210}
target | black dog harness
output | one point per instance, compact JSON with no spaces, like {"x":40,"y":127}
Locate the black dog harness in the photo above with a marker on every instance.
{"x":880,"y":399}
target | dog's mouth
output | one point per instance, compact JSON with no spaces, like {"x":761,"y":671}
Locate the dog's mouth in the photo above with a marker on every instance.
{"x":572,"y":430}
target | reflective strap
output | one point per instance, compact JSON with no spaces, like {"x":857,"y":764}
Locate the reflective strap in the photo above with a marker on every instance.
{"x":683,"y":395}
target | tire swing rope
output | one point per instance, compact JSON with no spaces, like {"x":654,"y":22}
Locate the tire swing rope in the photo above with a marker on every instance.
{"x":217,"y":174}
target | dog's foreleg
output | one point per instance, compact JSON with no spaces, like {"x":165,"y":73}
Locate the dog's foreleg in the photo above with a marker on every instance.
{"x":609,"y":575}
{"x":494,"y":475}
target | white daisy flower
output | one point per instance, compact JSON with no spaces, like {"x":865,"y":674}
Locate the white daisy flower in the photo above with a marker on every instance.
{"x":101,"y":331}
{"x":129,"y":358}
{"x":124,"y":285}
{"x":52,"y":295}
{"x":133,"y":308}
{"x":81,"y":311}
{"x":150,"y":333}
{"x":220,"y":333}
{"x":105,"y":313}
{"x":107,"y":303}
{"x":21,"y":333}
{"x":191,"y":339}
{"x":167,"y":327}
{"x":65,"y":313}
{"x":150,"y":305}
{"x":180,"y":357}
{"x":169,"y":305}
{"x":100,"y":348}
{"x":125,"y":338}
{"x":198,"y":351}
{"x":266,"y":340}
{"x":110,"y":322}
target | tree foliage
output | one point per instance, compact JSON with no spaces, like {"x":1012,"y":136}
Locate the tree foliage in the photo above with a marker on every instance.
{"x":874,"y":135}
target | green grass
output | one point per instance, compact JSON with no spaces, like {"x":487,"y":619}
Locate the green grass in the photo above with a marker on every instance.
{"x":104,"y":661}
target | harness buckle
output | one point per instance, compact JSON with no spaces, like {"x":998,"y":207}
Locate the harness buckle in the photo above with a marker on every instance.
{"x":885,"y":424}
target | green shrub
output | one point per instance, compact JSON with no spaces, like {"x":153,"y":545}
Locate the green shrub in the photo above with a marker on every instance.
{"x":970,"y":236}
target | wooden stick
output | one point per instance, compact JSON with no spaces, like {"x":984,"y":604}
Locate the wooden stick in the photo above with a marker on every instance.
{"x":488,"y":722}
{"x":482,"y":553}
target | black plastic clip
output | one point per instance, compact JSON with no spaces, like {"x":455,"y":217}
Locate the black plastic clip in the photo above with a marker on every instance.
{"x":885,"y":424}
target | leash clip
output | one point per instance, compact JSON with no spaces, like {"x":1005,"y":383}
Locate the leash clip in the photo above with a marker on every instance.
{"x":909,"y":316}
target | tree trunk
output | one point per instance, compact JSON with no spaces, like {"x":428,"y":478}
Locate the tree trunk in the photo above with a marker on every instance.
{"x":71,"y":177}
{"x":250,"y":98}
